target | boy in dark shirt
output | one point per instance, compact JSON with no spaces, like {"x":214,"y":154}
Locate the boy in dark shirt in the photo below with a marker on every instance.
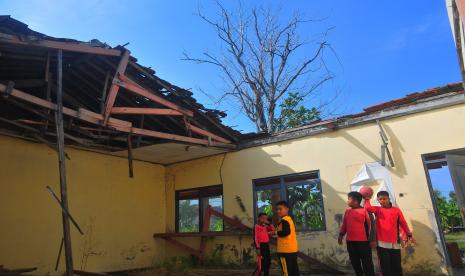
{"x":261,"y":241}
{"x":389,"y":222}
{"x":287,"y":241}
{"x":356,"y":224}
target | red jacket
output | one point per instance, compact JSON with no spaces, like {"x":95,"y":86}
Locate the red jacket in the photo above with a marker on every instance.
{"x":389,"y":222}
{"x":356,"y":224}
{"x":261,"y":234}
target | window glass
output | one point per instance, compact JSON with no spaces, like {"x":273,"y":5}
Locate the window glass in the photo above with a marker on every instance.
{"x":265,"y":200}
{"x":302,"y":192}
{"x":188,"y":215}
{"x":192,"y":205}
{"x":216,"y":223}
{"x":306,"y":204}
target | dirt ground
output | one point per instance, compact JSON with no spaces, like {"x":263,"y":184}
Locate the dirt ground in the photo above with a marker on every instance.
{"x":208,"y":272}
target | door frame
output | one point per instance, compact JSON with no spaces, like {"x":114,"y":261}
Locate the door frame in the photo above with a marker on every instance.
{"x":435,"y":208}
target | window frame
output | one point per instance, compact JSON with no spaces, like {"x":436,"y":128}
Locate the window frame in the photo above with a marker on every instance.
{"x":282,"y":186}
{"x":201,"y":204}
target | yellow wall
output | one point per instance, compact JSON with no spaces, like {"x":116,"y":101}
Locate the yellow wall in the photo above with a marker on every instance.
{"x":337,"y":155}
{"x":118,"y":214}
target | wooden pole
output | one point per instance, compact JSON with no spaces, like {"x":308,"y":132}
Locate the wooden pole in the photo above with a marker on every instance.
{"x":62,"y":165}
{"x":131,"y":167}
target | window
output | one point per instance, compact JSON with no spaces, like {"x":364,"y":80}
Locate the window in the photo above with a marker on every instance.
{"x":191,"y":205}
{"x":302,"y":192}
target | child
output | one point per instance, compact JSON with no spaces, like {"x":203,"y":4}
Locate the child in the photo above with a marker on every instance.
{"x":287,"y":241}
{"x":389,"y":222}
{"x":261,"y":241}
{"x":356,"y":224}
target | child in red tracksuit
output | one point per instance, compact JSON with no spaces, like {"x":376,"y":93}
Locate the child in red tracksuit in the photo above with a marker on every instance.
{"x":261,"y":240}
{"x":389,"y":222}
{"x":356,"y":224}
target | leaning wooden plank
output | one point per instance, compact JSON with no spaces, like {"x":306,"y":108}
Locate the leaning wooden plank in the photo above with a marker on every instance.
{"x":203,"y":132}
{"x":114,"y":88}
{"x":145,"y":111}
{"x":184,"y":246}
{"x":205,"y":228}
{"x":65,"y":46}
{"x":231,"y":221}
{"x":135,"y":88}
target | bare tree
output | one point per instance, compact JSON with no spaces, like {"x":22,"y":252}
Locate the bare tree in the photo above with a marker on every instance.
{"x":260,"y":60}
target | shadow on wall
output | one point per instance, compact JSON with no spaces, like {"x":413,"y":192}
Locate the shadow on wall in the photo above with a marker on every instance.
{"x":321,"y":245}
{"x":417,"y":259}
{"x":237,"y":172}
{"x":395,"y":148}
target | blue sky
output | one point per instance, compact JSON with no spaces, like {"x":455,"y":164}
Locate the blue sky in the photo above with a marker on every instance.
{"x":441,"y":180}
{"x":386,"y":49}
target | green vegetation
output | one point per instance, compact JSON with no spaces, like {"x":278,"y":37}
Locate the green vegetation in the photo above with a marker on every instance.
{"x":458,"y":237}
{"x":306,"y":206}
{"x":448,"y":209}
{"x":266,"y":205}
{"x":449,"y":214}
{"x":188,"y":215}
{"x":293,"y":114}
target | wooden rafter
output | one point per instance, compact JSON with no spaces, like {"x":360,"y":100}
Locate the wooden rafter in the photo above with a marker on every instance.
{"x":141,"y":91}
{"x":134,"y":87}
{"x":145,"y":111}
{"x":123,"y":97}
{"x":149,"y":75}
{"x":175,"y":137}
{"x":65,"y":46}
{"x":203,"y":132}
{"x":97,"y":119}
{"x":114,"y":88}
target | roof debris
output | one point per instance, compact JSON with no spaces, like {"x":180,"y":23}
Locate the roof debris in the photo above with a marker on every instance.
{"x":145,"y":105}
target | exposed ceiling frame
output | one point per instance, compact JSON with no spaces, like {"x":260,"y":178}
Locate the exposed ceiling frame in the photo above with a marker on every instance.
{"x":97,"y":119}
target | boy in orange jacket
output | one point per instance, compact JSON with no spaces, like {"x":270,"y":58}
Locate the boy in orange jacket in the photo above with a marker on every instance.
{"x":287,"y":248}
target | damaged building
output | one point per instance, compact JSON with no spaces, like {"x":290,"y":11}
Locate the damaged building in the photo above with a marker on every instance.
{"x":152,"y":174}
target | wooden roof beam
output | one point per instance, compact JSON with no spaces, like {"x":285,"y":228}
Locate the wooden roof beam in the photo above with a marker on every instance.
{"x":97,"y":119}
{"x":149,"y":75}
{"x":203,"y":132}
{"x":114,"y":88}
{"x":82,"y":114}
{"x":65,"y":46}
{"x":132,"y":86}
{"x":145,"y":111}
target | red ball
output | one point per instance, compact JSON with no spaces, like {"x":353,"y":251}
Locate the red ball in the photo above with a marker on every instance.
{"x":366,"y":192}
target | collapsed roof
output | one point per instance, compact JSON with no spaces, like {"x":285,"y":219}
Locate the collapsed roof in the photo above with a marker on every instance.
{"x":112,"y":102}
{"x":107,"y":96}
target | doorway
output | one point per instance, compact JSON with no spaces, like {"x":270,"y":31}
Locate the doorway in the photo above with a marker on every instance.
{"x":446,"y":179}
